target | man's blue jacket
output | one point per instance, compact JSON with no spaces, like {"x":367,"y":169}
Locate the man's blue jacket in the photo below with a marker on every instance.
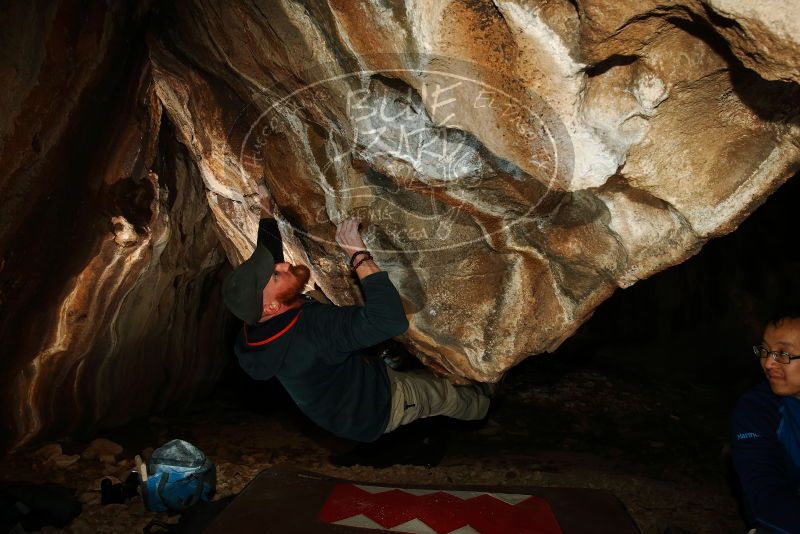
{"x":766,"y":455}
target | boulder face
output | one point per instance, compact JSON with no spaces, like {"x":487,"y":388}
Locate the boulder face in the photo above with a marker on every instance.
{"x":513,"y":163}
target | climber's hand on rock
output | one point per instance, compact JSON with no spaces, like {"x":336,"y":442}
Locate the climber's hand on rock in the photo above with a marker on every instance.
{"x":348,"y":236}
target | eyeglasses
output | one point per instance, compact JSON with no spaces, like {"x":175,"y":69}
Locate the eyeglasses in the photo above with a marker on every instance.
{"x":781,"y":357}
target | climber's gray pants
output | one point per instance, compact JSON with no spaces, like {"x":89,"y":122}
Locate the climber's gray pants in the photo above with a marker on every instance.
{"x":419,"y":393}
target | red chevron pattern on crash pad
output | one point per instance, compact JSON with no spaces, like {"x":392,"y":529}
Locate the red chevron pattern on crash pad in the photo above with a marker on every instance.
{"x":438,"y":512}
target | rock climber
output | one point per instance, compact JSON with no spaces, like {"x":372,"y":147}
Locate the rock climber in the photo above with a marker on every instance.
{"x":315,"y":349}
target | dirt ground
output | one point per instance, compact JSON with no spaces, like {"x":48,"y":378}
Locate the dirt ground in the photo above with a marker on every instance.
{"x":658,"y":448}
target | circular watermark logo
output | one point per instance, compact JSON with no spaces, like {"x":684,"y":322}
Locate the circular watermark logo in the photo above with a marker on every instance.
{"x":429,"y":158}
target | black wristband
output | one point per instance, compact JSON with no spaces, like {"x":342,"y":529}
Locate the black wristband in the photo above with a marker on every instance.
{"x":356,"y":254}
{"x":368,"y":257}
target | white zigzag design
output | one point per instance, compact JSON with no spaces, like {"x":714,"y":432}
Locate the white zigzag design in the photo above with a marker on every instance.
{"x":414,"y":526}
{"x":508,"y":498}
{"x":359,"y":521}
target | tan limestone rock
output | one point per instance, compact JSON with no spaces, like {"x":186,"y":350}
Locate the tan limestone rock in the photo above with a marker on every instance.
{"x":514,"y":162}
{"x":585,"y":161}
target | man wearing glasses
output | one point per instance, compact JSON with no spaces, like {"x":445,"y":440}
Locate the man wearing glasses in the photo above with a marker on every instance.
{"x":766,"y":431}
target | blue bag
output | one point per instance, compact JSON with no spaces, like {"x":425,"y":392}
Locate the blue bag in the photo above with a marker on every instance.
{"x":178,"y":476}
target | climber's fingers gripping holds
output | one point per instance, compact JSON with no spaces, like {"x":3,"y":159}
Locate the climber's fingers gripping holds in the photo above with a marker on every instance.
{"x":348,"y":236}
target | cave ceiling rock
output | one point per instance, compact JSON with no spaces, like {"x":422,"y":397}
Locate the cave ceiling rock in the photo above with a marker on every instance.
{"x":654,"y":124}
{"x":765,"y":36}
{"x":514,"y":161}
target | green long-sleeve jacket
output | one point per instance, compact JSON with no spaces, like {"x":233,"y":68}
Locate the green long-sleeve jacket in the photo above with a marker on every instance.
{"x":314,"y":352}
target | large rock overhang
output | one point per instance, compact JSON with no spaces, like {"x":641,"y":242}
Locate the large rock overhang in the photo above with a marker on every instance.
{"x":514,"y":163}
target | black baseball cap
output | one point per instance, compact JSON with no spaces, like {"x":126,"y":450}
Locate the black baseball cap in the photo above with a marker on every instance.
{"x":243,"y":289}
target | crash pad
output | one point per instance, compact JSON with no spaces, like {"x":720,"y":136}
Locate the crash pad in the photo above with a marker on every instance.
{"x":286,"y":499}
